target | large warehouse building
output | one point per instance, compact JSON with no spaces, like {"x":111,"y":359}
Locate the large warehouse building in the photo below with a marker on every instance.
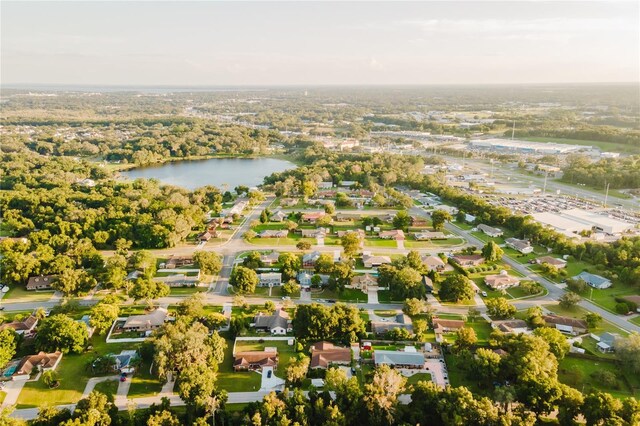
{"x":574,"y":221}
{"x":525,"y":147}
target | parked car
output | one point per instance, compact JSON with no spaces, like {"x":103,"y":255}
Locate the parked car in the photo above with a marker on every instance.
{"x":484,"y":294}
{"x":269,"y":373}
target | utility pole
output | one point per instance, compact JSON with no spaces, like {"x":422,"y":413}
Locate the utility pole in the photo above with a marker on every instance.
{"x":513,"y":130}
{"x":606,"y":195}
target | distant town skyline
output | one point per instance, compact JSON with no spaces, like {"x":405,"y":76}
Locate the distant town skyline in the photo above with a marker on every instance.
{"x":318,"y":43}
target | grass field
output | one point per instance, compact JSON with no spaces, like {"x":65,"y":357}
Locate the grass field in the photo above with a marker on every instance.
{"x":18,"y":294}
{"x":635,"y":320}
{"x":186,"y":291}
{"x":232,"y":381}
{"x":110,"y":387}
{"x":144,"y":383}
{"x":579,"y":373}
{"x":377,"y":242}
{"x":347,"y":295}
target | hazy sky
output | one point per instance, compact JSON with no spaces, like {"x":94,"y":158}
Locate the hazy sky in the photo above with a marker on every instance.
{"x":238,"y":43}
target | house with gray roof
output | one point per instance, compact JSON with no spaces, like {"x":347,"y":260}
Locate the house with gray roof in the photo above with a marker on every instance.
{"x":593,"y":280}
{"x":399,"y":359}
{"x":399,"y":321}
{"x":277,"y":323}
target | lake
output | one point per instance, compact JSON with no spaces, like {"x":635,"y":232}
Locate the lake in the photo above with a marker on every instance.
{"x":215,"y":171}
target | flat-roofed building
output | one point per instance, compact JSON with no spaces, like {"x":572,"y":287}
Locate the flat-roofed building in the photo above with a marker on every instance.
{"x":399,"y":359}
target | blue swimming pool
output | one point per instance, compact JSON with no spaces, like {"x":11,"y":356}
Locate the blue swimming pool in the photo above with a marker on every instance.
{"x":10,"y":370}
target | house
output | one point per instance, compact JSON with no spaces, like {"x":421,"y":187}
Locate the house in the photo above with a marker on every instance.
{"x":429,"y":235}
{"x":238,"y":208}
{"x":178,"y":261}
{"x":511,"y":326}
{"x":255,"y":360}
{"x":418,"y":221}
{"x":309,"y":259}
{"x":566,"y":324}
{"x":371,"y":261}
{"x":607,"y":342}
{"x":42,"y":362}
{"x":347,"y":183}
{"x":558,"y":263}
{"x":523,"y":246}
{"x":270,"y":258}
{"x":179,"y":280}
{"x":278,"y":216}
{"x":428,"y":283}
{"x":469,"y":218}
{"x":325,"y":354}
{"x":446,"y":326}
{"x":313,"y":217}
{"x":123,"y":362}
{"x":399,"y":359}
{"x":288,"y":202}
{"x":346,"y":217}
{"x":42,"y":282}
{"x":25,"y":327}
{"x":595,"y":281}
{"x":360,"y":233}
{"x":314,"y":233}
{"x":278,"y":323}
{"x":304,"y":278}
{"x":270,"y":279}
{"x":501,"y":281}
{"x":467,"y":260}
{"x":364,"y":282}
{"x":205,"y":236}
{"x":433,"y":263}
{"x":133,"y":275}
{"x":146,"y":322}
{"x":273,"y":233}
{"x":394,"y":234}
{"x":490,"y":231}
{"x":400,"y":321}
{"x":325,"y":185}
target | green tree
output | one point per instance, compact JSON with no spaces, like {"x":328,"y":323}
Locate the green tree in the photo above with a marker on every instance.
{"x":413,"y":306}
{"x":163,"y":418}
{"x":558,"y":343}
{"x":74,"y":281}
{"x":209,"y":262}
{"x":196,"y":384}
{"x":456,"y":287}
{"x":8,"y":345}
{"x":297,"y":370}
{"x":407,"y":283}
{"x":569,"y":300}
{"x":381,"y":395}
{"x":290,"y":264}
{"x":94,"y":410}
{"x":103,"y":315}
{"x":402,"y":220}
{"x":592,"y":319}
{"x":50,"y":378}
{"x":350,"y":244}
{"x":146,"y":289}
{"x":303,"y":245}
{"x":144,"y":261}
{"x":439,"y":218}
{"x":492,"y":252}
{"x":290,"y":288}
{"x":243,"y":280}
{"x":628,"y":352}
{"x":486,"y":364}
{"x":500,"y":308}
{"x":61,"y":333}
{"x":465,"y":338}
{"x":341,"y":275}
{"x":324,"y":264}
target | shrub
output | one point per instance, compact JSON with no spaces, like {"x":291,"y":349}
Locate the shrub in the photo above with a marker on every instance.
{"x":622,"y":308}
{"x":606,"y":378}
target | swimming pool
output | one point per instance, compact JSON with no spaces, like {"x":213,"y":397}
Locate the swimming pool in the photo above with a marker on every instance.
{"x":8,"y":372}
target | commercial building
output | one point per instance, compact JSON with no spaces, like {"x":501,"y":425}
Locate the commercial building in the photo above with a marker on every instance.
{"x":525,"y":147}
{"x":574,"y":221}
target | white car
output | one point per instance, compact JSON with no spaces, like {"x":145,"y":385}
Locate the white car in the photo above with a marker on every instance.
{"x":484,"y":294}
{"x":286,"y":298}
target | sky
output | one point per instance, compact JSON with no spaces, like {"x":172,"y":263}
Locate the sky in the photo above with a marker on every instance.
{"x":219,"y":43}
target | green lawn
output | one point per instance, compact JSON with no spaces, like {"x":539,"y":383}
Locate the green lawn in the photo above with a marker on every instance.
{"x":606,"y":297}
{"x":378,"y":242}
{"x":419,"y":377}
{"x":635,"y":320}
{"x":347,"y":295}
{"x":143,"y":383}
{"x":458,"y":377}
{"x":20,"y":294}
{"x":577,"y":372}
{"x":463,"y":225}
{"x":485,"y":238}
{"x":278,"y":242}
{"x":385,"y":297}
{"x":186,"y":291}
{"x":110,"y":387}
{"x":73,"y":375}
{"x":453,"y":241}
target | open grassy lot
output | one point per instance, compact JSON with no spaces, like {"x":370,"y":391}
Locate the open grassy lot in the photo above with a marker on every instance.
{"x":419,"y":377}
{"x":379,"y":242}
{"x":385,"y":297}
{"x":110,"y":387}
{"x":347,"y":295}
{"x":463,"y":225}
{"x":144,"y":383}
{"x":485,"y":238}
{"x":385,"y":313}
{"x":18,"y":294}
{"x":458,"y":377}
{"x":186,"y":291}
{"x":453,"y":241}
{"x":635,"y":320}
{"x":582,"y":374}
{"x":73,"y":374}
{"x":607,"y":297}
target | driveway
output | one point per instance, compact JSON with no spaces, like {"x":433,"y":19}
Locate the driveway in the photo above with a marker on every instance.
{"x":13,"y":389}
{"x":269,"y":383}
{"x":372,"y":296}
